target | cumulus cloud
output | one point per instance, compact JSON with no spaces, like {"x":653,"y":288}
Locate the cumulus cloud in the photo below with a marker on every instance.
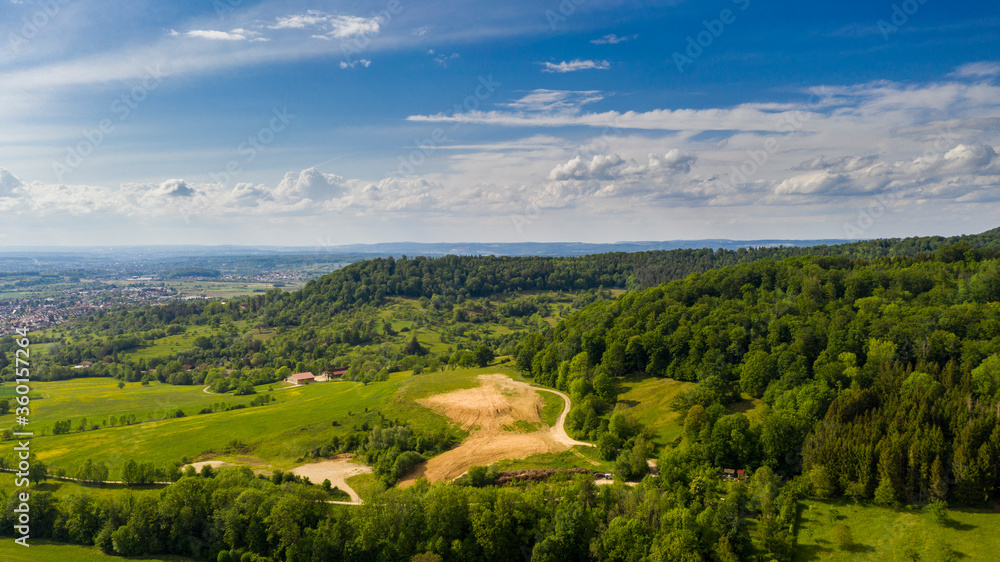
{"x":611,"y":175}
{"x":310,"y":184}
{"x":575,"y":66}
{"x":173,"y":188}
{"x":8,"y":183}
{"x":964,"y":172}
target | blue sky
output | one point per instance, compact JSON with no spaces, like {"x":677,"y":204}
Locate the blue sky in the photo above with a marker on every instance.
{"x":319,"y":123}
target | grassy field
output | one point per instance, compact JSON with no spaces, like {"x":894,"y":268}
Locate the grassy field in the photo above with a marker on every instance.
{"x":48,"y":551}
{"x":169,"y":345}
{"x":62,"y":489}
{"x":277,"y":435}
{"x":889,"y":534}
{"x":577,"y":457}
{"x":649,"y":401}
{"x":227,"y":289}
{"x":553,"y":407}
{"x":99,"y":398}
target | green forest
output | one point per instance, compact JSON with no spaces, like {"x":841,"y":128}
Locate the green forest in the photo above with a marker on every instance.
{"x":866,"y":373}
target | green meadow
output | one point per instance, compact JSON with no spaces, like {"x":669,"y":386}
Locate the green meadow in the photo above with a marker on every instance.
{"x":227,"y":289}
{"x":577,"y":457}
{"x":169,"y":345}
{"x":886,"y":534}
{"x":99,"y":398}
{"x":554,"y":405}
{"x":649,"y":401}
{"x":49,"y":551}
{"x":63,"y":489}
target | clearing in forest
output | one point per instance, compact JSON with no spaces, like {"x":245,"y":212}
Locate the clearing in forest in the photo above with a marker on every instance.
{"x":496,"y":414}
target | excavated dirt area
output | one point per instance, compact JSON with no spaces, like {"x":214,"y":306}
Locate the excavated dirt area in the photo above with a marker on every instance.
{"x":337,"y":471}
{"x":489,"y":413}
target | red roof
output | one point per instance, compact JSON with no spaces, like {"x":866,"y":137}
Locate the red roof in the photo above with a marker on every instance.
{"x":303,"y":376}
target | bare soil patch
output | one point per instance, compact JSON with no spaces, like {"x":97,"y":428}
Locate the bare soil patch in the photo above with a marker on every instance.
{"x":489,"y":413}
{"x":214,"y":464}
{"x":337,"y":471}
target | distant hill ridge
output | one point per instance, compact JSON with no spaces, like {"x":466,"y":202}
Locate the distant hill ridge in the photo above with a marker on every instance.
{"x":374,"y":280}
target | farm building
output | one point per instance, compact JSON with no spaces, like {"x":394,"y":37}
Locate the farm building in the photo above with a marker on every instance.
{"x":301,"y":378}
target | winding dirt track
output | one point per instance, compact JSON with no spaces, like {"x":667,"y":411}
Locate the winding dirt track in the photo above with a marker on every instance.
{"x":489,"y":413}
{"x":559,"y":431}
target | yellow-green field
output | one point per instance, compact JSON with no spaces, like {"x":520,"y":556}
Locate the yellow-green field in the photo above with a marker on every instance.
{"x":880,"y":534}
{"x":278,"y":434}
{"x":63,"y":489}
{"x":649,"y":401}
{"x":48,"y":551}
{"x":98,"y":399}
{"x":554,"y":405}
{"x":169,"y":345}
{"x":577,"y":457}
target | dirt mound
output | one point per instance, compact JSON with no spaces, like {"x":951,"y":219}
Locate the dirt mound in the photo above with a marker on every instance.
{"x":489,"y":412}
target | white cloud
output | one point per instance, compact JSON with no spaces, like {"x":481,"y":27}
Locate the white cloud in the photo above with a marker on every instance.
{"x":930,"y":142}
{"x":812,"y":183}
{"x":173,"y":188}
{"x":311,"y":18}
{"x":842,"y":164}
{"x":329,"y":26}
{"x":610,"y":175}
{"x":363,"y":62}
{"x":554,"y":101}
{"x":310,"y":184}
{"x":442,"y":59}
{"x":217,"y":35}
{"x":575,"y":65}
{"x":8,"y":182}
{"x":963,"y":172}
{"x":613,"y":39}
{"x":978,"y":69}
